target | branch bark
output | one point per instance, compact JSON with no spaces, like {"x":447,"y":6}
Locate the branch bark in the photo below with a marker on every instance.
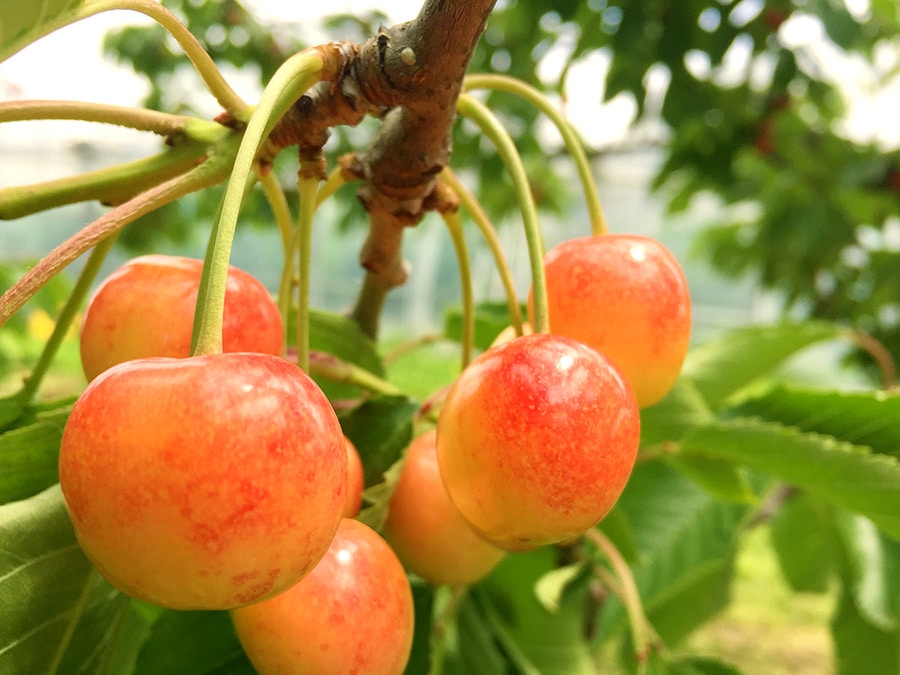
{"x":410,"y":75}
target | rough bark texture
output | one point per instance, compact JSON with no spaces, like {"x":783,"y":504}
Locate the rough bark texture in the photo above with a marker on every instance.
{"x":410,"y":76}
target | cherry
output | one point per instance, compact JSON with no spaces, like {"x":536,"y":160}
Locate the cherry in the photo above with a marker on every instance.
{"x":352,"y":615}
{"x":146,"y":308}
{"x":355,"y":480}
{"x":429,"y":535}
{"x":204,"y":483}
{"x":536,"y":440}
{"x":627,"y":297}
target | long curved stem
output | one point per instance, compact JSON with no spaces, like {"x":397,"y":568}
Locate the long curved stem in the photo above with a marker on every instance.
{"x":203,"y":63}
{"x":455,"y":227}
{"x":481,"y":220}
{"x":204,"y":175}
{"x":295,"y":76}
{"x":307,"y":186}
{"x":66,"y":316}
{"x":280,"y":208}
{"x":140,"y":119}
{"x":476,"y":111}
{"x":573,"y":144}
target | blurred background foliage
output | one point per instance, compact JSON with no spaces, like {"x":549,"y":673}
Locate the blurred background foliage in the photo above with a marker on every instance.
{"x":741,"y":109}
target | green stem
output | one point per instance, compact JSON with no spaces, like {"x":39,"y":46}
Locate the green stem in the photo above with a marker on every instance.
{"x":570,"y":138}
{"x":469,"y":107}
{"x":140,"y":119}
{"x":207,"y":174}
{"x":110,"y":185}
{"x":643,"y":634}
{"x":455,"y":227}
{"x":481,"y":220}
{"x":336,"y":179}
{"x":294,"y":77}
{"x":330,"y":367}
{"x":66,"y":317}
{"x":280,"y":209}
{"x":202,"y":61}
{"x":307,"y":187}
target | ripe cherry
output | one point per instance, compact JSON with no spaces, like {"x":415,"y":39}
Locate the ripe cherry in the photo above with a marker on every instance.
{"x":352,"y":615}
{"x":627,"y":297}
{"x":146,"y":308}
{"x":536,"y":440}
{"x":204,"y":483}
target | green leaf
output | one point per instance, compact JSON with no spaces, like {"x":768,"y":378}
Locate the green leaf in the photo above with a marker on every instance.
{"x":860,"y":646}
{"x":25,"y":22}
{"x":803,"y":541}
{"x":682,"y":409}
{"x":193,"y":643}
{"x":861,"y":417}
{"x":490,"y":319}
{"x":843,"y":474}
{"x":724,"y":366}
{"x":55,"y":610}
{"x":423,"y":611}
{"x":686,"y":543}
{"x":471,"y":647}
{"x":533,"y":638}
{"x":341,"y":336}
{"x":550,"y":587}
{"x":700,"y":665}
{"x":871,"y":570}
{"x":29,"y":455}
{"x":380,"y":428}
{"x":723,"y":480}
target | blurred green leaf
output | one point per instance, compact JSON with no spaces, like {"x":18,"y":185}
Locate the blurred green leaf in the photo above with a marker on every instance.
{"x":803,"y":541}
{"x":725,"y":365}
{"x":29,"y":455}
{"x":55,"y":610}
{"x":25,"y":22}
{"x":686,"y":543}
{"x":860,"y":417}
{"x":341,"y":336}
{"x":193,"y":643}
{"x":860,"y":646}
{"x":380,"y":428}
{"x":490,"y":319}
{"x":845,"y":475}
{"x":871,"y":571}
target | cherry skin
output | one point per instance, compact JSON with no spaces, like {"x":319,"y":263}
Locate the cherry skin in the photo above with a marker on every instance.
{"x":536,"y":440}
{"x":146,"y":308}
{"x":429,"y":535}
{"x":203,"y":483}
{"x":627,"y":297}
{"x":352,"y":615}
{"x":355,"y":480}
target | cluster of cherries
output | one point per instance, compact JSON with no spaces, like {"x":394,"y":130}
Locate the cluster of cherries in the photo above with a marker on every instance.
{"x":224,"y":481}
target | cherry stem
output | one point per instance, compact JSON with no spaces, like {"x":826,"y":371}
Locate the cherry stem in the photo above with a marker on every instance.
{"x":470,"y":107}
{"x":880,"y":354}
{"x":139,"y":119}
{"x":481,"y":220}
{"x":570,"y":138}
{"x":336,"y":179}
{"x":207,"y":174}
{"x":66,"y":316}
{"x":202,"y":61}
{"x":330,"y":367}
{"x":289,"y":82}
{"x":280,"y":209}
{"x":455,"y":227}
{"x":643,"y":634}
{"x":110,"y":185}
{"x":307,"y":186}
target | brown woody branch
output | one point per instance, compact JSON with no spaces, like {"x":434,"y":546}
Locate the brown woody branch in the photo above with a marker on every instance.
{"x":410,"y":75}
